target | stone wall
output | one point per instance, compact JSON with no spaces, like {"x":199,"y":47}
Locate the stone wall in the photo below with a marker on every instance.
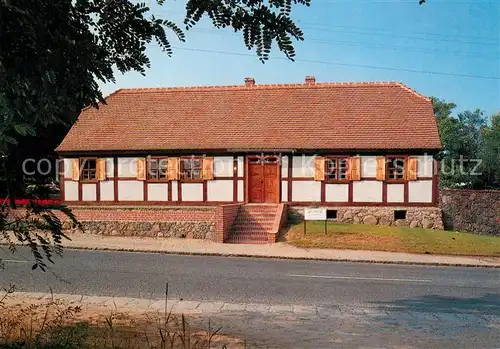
{"x":426,"y":217}
{"x":154,"y":221}
{"x":474,"y":211}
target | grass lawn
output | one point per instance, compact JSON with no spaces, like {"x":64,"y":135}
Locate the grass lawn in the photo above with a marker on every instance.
{"x":394,"y":239}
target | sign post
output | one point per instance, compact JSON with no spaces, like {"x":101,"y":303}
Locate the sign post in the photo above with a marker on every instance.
{"x":314,"y":214}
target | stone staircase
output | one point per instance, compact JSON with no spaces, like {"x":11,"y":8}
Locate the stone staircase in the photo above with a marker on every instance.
{"x":254,"y":224}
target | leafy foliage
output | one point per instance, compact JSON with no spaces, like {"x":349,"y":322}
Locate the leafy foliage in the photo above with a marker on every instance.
{"x":261,"y":22}
{"x":37,"y":226}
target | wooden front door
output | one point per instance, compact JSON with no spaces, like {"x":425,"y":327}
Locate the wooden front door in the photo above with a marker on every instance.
{"x":263,"y":179}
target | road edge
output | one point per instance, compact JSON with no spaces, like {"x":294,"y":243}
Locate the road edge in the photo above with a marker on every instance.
{"x":243,"y":255}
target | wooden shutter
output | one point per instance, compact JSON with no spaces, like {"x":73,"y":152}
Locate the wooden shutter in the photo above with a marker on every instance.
{"x":141,"y":169}
{"x":355,"y":168}
{"x":380,"y":168}
{"x":208,"y":168}
{"x":411,"y":168}
{"x":319,"y":168}
{"x":101,"y":169}
{"x":173,"y":169}
{"x":75,"y":170}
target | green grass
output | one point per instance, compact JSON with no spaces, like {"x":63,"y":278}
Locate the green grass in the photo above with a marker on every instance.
{"x":394,"y":239}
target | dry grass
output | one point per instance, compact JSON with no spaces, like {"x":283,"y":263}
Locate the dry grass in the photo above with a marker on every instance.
{"x":393,"y":239}
{"x":51,"y":324}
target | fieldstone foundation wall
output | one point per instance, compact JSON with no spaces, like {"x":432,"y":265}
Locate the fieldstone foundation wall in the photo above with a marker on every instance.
{"x":425,"y":217}
{"x":158,"y":221}
{"x":474,"y":211}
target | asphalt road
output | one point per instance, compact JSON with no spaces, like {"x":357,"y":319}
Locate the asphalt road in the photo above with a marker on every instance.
{"x":357,"y":305}
{"x":246,"y":280}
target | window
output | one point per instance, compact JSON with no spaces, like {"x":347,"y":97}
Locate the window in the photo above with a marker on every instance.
{"x":399,"y":214}
{"x":331,"y":214}
{"x":157,"y":169}
{"x":395,"y":168}
{"x":336,"y":169}
{"x":191,"y":168}
{"x":88,"y":169}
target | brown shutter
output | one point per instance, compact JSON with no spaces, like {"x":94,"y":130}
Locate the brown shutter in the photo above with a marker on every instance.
{"x":412,"y":168}
{"x":208,"y":168}
{"x":319,"y":168}
{"x":101,"y":169}
{"x":173,"y":169}
{"x":355,"y":168}
{"x":141,"y":169}
{"x":380,"y":168}
{"x":75,"y":170}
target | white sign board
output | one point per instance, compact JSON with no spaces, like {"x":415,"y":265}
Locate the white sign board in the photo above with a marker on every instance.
{"x":315,"y":214}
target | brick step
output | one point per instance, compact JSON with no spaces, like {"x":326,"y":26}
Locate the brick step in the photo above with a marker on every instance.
{"x":247,"y":242}
{"x":246,"y":222}
{"x":251,"y":230}
{"x":257,"y":216}
{"x":255,"y":213}
{"x":259,"y":208}
{"x":247,"y":239}
{"x":250,"y":233}
{"x":254,"y":218}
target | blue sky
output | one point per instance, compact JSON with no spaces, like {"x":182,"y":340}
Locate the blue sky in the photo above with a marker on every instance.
{"x":448,"y":49}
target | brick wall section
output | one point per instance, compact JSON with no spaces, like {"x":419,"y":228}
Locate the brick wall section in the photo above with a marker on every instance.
{"x":279,"y":221}
{"x":224,"y":218}
{"x":473,"y":211}
{"x":142,"y":214}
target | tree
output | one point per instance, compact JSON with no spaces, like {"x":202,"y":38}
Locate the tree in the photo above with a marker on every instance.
{"x":490,"y":153}
{"x":470,"y":155}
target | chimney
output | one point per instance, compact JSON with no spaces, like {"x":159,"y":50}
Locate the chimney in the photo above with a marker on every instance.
{"x":249,"y":82}
{"x":310,"y":80}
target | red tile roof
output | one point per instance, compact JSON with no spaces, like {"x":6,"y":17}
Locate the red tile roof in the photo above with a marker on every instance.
{"x":341,"y":116}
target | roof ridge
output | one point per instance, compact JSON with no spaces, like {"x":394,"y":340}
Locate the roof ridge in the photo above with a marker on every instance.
{"x":409,"y":89}
{"x":264,"y":86}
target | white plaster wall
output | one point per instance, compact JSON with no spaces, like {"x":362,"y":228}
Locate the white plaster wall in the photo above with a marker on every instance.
{"x":107,"y":190}
{"x":110,"y":168}
{"x":303,"y":166}
{"x":219,"y":190}
{"x":306,"y":191}
{"x":175,"y":191}
{"x":192,"y":191}
{"x":336,"y":192}
{"x":157,"y":192}
{"x":367,"y":191}
{"x":241,"y":191}
{"x":368,"y":166}
{"x":223,"y":166}
{"x":68,"y":168}
{"x":284,"y":191}
{"x":425,"y":166}
{"x":89,"y":192}
{"x":420,"y":191}
{"x":395,"y":192}
{"x":127,"y":167}
{"x":70,"y":191}
{"x":130,"y":191}
{"x":241,"y":166}
{"x":284,"y":166}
